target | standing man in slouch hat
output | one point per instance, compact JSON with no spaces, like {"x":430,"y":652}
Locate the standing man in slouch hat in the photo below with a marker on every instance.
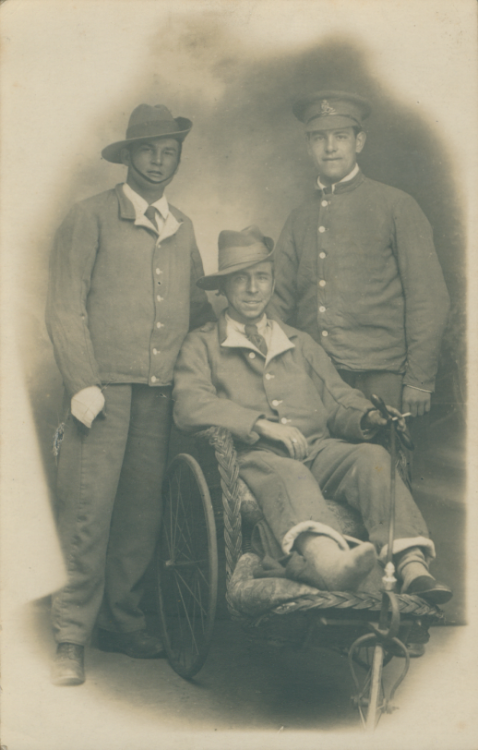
{"x":122,"y":295}
{"x":356,"y":267}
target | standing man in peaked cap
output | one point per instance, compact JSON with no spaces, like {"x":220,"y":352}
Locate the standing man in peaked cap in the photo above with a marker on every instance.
{"x":122,"y":294}
{"x":356,"y":267}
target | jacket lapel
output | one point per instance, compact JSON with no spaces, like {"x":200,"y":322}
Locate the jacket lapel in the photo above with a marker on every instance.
{"x":280,"y":342}
{"x":127,"y":211}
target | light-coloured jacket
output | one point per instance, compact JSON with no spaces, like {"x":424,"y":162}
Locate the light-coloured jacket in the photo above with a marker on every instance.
{"x":228,"y":383}
{"x":120,"y":304}
{"x":358,"y":271}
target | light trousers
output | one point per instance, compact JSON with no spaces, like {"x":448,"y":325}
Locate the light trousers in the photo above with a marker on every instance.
{"x":109,"y":508}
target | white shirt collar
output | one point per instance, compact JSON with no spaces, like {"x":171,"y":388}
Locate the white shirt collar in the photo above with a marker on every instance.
{"x":276,"y":339}
{"x":140,"y":204}
{"x":263,"y":325}
{"x":348,"y":177}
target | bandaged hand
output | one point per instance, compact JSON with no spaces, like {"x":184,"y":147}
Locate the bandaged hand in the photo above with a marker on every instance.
{"x":87,"y":404}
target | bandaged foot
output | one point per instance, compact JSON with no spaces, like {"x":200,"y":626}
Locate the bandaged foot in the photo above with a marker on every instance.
{"x":324,"y":565}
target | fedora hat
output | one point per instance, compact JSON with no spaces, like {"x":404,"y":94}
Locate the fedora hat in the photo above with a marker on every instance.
{"x":237,"y":251}
{"x":148,"y":121}
{"x":330,"y":110}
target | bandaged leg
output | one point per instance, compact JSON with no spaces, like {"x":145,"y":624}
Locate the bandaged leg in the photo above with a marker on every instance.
{"x":325,"y":564}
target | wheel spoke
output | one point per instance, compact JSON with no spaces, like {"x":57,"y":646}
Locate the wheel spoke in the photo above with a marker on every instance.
{"x":191,"y":592}
{"x":187,"y":594}
{"x":185,"y":610}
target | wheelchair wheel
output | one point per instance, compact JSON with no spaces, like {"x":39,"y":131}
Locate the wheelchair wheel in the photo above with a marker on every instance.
{"x":187,"y":567}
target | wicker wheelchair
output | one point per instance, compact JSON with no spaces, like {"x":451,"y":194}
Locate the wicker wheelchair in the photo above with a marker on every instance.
{"x":206,"y":524}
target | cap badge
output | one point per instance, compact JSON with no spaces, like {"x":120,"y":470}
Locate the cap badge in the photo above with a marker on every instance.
{"x":326,"y":109}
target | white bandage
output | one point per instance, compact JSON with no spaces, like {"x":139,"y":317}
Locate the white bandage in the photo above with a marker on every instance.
{"x":87,"y":404}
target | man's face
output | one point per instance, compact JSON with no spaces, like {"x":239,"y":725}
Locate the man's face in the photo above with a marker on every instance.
{"x":334,"y":152}
{"x":151,"y":162}
{"x":248,"y":292}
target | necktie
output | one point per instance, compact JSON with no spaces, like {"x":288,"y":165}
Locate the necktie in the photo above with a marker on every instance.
{"x":253,"y":335}
{"x":150,"y":214}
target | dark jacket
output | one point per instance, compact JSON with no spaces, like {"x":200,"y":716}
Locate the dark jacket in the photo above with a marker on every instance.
{"x":227,"y":383}
{"x":120,"y":303}
{"x":358,"y":271}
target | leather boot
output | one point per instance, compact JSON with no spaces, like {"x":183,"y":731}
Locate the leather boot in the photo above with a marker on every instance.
{"x":412,"y":567}
{"x":68,"y":665}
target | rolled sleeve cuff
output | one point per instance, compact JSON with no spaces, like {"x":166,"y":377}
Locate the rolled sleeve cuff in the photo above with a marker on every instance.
{"x":314,"y":527}
{"x":399,"y":545}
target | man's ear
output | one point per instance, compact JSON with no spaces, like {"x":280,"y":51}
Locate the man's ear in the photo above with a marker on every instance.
{"x":360,"y":141}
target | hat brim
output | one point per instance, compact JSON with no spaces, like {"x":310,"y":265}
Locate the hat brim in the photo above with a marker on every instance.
{"x":212,"y":281}
{"x":112,"y":153}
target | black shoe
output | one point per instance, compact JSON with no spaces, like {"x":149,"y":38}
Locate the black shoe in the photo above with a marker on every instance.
{"x":415,"y":650}
{"x":68,"y":665}
{"x":429,"y":589}
{"x":139,"y":645}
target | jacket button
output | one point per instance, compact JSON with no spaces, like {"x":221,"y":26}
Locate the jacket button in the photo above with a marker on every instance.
{"x":325,"y":333}
{"x":275,"y":402}
{"x":252,"y":355}
{"x":284,"y":420}
{"x":159,"y":325}
{"x":159,"y":298}
{"x":155,"y":351}
{"x":324,"y":203}
{"x":322,"y":255}
{"x":321,"y":230}
{"x":153,"y":379}
{"x":158,"y":271}
{"x":321,"y":308}
{"x":269,"y":376}
{"x":322,"y":282}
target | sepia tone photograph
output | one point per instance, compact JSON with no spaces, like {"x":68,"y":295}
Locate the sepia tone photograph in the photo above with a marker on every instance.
{"x":238,"y":285}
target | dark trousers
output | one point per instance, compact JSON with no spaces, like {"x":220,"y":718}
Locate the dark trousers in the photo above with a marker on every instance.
{"x":109,"y":505}
{"x":290,"y":495}
{"x":387,"y":385}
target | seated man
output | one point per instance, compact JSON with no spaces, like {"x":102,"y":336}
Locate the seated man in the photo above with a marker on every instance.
{"x":300,"y":432}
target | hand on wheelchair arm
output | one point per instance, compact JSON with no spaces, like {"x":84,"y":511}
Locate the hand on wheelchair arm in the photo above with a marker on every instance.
{"x":291,"y":437}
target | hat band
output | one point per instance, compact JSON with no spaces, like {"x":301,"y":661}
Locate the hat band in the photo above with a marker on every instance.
{"x":236,"y":255}
{"x":327,"y":117}
{"x":151,"y":129}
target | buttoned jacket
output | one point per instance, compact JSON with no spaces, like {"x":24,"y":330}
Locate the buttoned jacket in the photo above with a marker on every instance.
{"x":357,"y":270}
{"x":121,"y":299}
{"x":224,"y":381}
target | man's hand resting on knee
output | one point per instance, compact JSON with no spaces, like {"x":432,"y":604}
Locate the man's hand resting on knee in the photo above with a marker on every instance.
{"x":291,"y":437}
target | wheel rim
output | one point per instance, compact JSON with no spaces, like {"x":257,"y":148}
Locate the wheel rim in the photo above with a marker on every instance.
{"x":187,"y":567}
